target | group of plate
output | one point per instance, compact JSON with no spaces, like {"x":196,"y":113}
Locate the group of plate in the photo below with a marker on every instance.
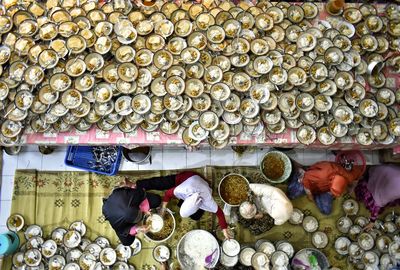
{"x":68,"y":249}
{"x":378,"y":248}
{"x":208,"y":73}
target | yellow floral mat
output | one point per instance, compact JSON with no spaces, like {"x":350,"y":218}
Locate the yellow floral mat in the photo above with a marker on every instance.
{"x":55,"y":199}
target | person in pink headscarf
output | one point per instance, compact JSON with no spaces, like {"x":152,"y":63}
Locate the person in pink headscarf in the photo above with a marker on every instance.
{"x":379,"y":189}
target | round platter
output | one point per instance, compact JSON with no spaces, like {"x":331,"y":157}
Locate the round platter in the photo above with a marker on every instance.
{"x":194,"y":247}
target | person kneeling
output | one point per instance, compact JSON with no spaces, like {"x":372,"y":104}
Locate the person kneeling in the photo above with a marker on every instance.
{"x":322,"y":182}
{"x":269,"y":200}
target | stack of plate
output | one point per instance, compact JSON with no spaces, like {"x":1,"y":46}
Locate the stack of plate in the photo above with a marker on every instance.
{"x":206,"y":73}
{"x":68,"y":249}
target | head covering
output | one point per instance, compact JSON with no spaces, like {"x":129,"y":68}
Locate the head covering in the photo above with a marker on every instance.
{"x":121,"y":209}
{"x":384,"y":183}
{"x":190,"y":205}
{"x":338,"y":186}
{"x":196,"y":184}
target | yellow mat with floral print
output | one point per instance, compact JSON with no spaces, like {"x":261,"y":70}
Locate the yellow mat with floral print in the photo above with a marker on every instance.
{"x":55,"y":199}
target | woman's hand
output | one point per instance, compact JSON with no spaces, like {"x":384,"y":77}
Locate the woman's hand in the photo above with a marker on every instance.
{"x":369,"y":226}
{"x":143,"y":228}
{"x":227,"y":234}
{"x":162,"y":209}
{"x":147,"y":213}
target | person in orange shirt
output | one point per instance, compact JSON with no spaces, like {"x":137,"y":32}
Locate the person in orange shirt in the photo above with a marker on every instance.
{"x":322,"y":182}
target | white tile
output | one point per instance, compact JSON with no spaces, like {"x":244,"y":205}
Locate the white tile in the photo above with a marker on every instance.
{"x":368,"y":157}
{"x":375,"y":157}
{"x":30,"y":160}
{"x":127,"y":165}
{"x":73,"y":169}
{"x":248,"y":158}
{"x":223,"y":157}
{"x":9,"y":164}
{"x":312,"y":156}
{"x":261,"y":152}
{"x":7,"y":185}
{"x":198,"y":158}
{"x":296,"y":154}
{"x":30,"y":148}
{"x":5,"y":209}
{"x":61,"y":149}
{"x":3,"y":229}
{"x":156,"y":160}
{"x":330,"y":156}
{"x":54,"y":162}
{"x":174,"y":159}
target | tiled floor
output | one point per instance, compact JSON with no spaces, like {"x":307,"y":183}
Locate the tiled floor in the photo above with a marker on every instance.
{"x":167,"y":158}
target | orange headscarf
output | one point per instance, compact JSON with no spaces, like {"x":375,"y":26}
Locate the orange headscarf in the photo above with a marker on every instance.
{"x":331,"y":177}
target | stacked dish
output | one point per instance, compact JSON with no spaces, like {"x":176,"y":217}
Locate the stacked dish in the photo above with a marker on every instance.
{"x":205,"y":73}
{"x":68,"y":248}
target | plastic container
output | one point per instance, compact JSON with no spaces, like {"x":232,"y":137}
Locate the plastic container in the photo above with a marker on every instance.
{"x":80,"y":157}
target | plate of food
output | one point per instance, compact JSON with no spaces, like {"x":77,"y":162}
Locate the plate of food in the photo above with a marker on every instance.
{"x":276,"y":167}
{"x":166,"y":231}
{"x":296,"y":217}
{"x":350,"y":207}
{"x":123,"y":252}
{"x":15,"y":223}
{"x":194,"y":247}
{"x":161,"y":253}
{"x":310,"y":224}
{"x":155,"y":222}
{"x":233,"y":189}
{"x":136,"y":246}
{"x":343,"y":224}
{"x":342,"y":245}
{"x":320,"y":240}
{"x":310,"y":258}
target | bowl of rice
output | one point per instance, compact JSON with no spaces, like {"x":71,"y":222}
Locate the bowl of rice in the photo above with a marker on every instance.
{"x":276,"y":167}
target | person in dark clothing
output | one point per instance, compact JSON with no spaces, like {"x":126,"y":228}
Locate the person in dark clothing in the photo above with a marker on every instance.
{"x":195,"y":197}
{"x":127,"y":205}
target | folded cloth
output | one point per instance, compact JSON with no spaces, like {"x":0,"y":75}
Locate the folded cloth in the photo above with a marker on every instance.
{"x":324,"y":202}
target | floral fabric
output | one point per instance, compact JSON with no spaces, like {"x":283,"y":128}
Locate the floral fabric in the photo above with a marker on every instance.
{"x":55,"y":199}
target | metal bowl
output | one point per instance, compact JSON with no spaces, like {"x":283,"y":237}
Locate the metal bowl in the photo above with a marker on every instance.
{"x":320,"y":240}
{"x":306,"y":134}
{"x":310,"y":224}
{"x":186,"y":260}
{"x":15,"y":222}
{"x":302,"y":258}
{"x":225,"y":178}
{"x":342,"y":245}
{"x":287,"y":166}
{"x":350,"y":207}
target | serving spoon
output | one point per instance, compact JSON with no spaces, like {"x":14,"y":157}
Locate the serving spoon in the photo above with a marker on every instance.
{"x":209,"y":258}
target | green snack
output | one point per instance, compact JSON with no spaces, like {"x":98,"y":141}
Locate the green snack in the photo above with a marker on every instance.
{"x":313,"y":261}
